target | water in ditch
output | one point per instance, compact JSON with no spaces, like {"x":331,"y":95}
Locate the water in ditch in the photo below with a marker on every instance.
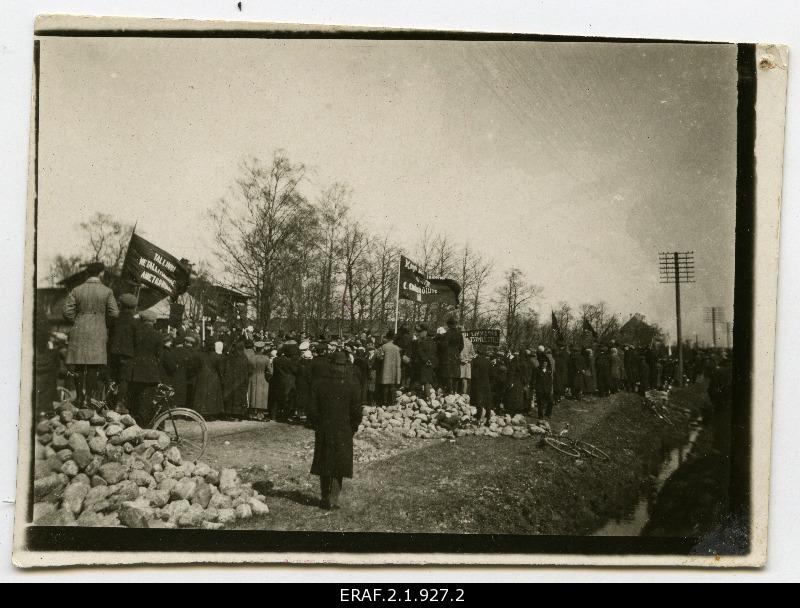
{"x":634,"y":522}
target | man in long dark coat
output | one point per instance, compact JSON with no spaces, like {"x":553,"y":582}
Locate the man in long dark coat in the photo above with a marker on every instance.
{"x":455,"y":344}
{"x":405,"y":343}
{"x":480,"y":390}
{"x":560,"y":372}
{"x":120,"y":346}
{"x":424,"y":360}
{"x":577,"y":367}
{"x":334,"y":411}
{"x":145,"y":370}
{"x":176,"y":363}
{"x":603,"y":366}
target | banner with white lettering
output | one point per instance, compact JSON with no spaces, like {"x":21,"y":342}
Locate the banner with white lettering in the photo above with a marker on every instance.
{"x":416,"y":286}
{"x":151,"y":266}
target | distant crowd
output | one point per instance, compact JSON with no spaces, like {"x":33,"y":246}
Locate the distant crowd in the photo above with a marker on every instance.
{"x":243,"y":372}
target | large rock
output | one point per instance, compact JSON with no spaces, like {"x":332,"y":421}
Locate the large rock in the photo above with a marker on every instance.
{"x":112,"y":430}
{"x":184,"y":489}
{"x":226,"y":516}
{"x":127,"y":420}
{"x":157,"y":498}
{"x":81,"y":427}
{"x":70,"y":468}
{"x":202,"y":494}
{"x":228,"y":480}
{"x":244,"y":511}
{"x":74,"y":496}
{"x":81,"y":453}
{"x":258,"y":507}
{"x":209,"y":525}
{"x":113,"y":472}
{"x":124,"y":491}
{"x":92,"y":519}
{"x":42,"y":510}
{"x":141,"y":478}
{"x":192,"y":517}
{"x":220,"y":502}
{"x":132,"y":435}
{"x":62,"y":517}
{"x":59,"y":442}
{"x":173,"y":455}
{"x":175,"y":509}
{"x":135,"y":514}
{"x":167,"y":484}
{"x":96,"y":499}
{"x":98,"y":444}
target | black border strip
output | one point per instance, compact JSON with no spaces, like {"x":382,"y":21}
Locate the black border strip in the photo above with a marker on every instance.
{"x":59,"y":539}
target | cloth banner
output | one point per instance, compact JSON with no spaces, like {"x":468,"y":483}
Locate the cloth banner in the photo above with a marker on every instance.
{"x":150,"y":266}
{"x":416,"y":286}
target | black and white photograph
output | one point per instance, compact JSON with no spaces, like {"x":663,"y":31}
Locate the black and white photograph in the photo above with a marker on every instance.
{"x":342,"y":292}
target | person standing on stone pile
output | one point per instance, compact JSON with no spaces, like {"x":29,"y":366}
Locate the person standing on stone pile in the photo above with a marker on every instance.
{"x":208,"y":386}
{"x":544,"y":391}
{"x":515,"y":383}
{"x":391,"y":370}
{"x":440,"y":339}
{"x":480,"y":395}
{"x":120,"y":346}
{"x":89,"y":306}
{"x":467,"y":355}
{"x":334,"y":412}
{"x":193,"y":364}
{"x":425,"y":360}
{"x":145,"y":369}
{"x":180,"y":367}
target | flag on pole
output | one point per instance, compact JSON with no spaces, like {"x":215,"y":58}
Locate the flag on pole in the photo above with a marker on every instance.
{"x":588,"y":327}
{"x":417,"y":286}
{"x":150,"y":266}
{"x":555,"y":324}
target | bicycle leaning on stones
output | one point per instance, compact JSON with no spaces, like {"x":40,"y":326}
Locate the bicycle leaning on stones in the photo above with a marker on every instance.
{"x":187,"y":430}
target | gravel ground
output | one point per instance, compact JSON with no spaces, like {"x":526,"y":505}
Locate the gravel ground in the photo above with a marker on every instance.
{"x":471,"y":485}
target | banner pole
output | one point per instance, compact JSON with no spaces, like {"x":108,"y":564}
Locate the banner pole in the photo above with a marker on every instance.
{"x":397,"y":299}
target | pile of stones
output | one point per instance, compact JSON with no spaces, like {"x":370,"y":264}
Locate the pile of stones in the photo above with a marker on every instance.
{"x":104,"y":470}
{"x":440,"y":417}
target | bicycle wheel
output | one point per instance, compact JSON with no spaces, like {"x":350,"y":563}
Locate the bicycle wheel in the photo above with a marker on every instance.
{"x":187,"y":431}
{"x":562,"y":446}
{"x":592,"y":450}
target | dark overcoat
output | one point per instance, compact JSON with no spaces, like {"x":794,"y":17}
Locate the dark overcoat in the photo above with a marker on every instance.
{"x":147,"y":345}
{"x":335,"y":412}
{"x":561,"y":370}
{"x":480,"y":389}
{"x":208,"y":386}
{"x":514,"y":398}
{"x":425,"y":359}
{"x":176,"y":364}
{"x":455,"y":344}
{"x":577,"y":366}
{"x":121,"y":340}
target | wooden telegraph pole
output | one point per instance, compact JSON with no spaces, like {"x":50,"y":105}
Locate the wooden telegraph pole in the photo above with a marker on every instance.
{"x":713,"y":315}
{"x":677,"y":267}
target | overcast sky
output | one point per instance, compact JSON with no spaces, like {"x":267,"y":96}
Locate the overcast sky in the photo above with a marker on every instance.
{"x":576,"y":162}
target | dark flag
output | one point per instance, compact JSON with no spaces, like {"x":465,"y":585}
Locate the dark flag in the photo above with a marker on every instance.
{"x":554,"y":324}
{"x":588,"y":327}
{"x":416,"y":286}
{"x":152,"y":267}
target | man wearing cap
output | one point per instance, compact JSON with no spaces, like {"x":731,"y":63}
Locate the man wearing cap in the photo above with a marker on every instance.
{"x":88,"y":306}
{"x":120,"y":346}
{"x":334,"y":411}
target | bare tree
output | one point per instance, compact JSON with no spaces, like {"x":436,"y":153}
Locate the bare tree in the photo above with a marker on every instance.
{"x":262,"y":226}
{"x":514,"y":300}
{"x":353,"y":247}
{"x":62,"y":267}
{"x":108,"y":240}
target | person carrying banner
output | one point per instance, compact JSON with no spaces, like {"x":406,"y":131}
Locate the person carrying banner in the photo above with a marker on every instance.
{"x":88,"y":306}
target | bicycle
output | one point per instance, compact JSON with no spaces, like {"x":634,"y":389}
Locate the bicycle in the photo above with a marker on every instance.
{"x":187,"y":429}
{"x":574,"y":447}
{"x":658,"y":406}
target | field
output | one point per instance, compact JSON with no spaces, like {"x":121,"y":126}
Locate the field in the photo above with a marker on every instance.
{"x":468,"y":485}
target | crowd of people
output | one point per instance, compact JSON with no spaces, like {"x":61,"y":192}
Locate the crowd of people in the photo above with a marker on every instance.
{"x":241,"y":372}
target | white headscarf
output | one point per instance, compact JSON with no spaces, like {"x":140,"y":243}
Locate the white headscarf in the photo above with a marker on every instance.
{"x":218,"y":347}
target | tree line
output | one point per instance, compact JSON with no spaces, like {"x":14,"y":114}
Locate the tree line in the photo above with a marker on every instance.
{"x":309,"y":264}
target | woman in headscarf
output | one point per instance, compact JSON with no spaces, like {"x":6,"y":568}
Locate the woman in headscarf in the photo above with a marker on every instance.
{"x":260,"y":368}
{"x":235,"y":381}
{"x":208,"y":386}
